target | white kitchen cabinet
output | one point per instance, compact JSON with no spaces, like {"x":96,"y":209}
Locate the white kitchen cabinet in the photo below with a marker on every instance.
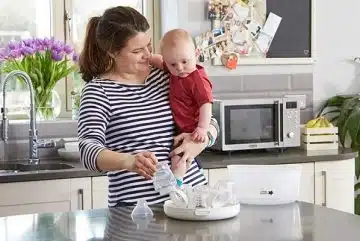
{"x":334,"y":184}
{"x":306,"y":192}
{"x":330,"y":183}
{"x":59,"y":195}
{"x":80,"y":193}
{"x":100,"y":192}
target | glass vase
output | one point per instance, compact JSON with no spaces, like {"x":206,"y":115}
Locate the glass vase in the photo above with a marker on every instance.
{"x":48,"y":106}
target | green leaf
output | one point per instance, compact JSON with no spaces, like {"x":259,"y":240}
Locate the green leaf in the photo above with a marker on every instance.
{"x":346,"y":111}
{"x":352,"y":125}
{"x":357,"y":186}
{"x":357,"y":167}
{"x":357,"y":205}
{"x":335,"y":101}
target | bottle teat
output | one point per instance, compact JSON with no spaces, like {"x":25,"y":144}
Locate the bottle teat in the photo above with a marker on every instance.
{"x":142,"y":215}
{"x":141,"y":210}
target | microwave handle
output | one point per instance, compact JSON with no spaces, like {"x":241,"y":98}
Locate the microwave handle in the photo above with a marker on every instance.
{"x":278,"y":124}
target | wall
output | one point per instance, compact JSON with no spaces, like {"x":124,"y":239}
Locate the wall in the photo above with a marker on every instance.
{"x":336,"y":44}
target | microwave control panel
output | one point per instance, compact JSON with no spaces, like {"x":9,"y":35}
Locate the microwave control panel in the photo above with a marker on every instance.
{"x":291,"y":123}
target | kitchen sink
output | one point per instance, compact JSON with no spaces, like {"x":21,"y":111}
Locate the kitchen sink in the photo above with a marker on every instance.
{"x":19,"y":167}
{"x":9,"y":167}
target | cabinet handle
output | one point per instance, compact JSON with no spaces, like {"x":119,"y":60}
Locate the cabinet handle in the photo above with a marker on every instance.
{"x":323,"y":173}
{"x":81,"y":198}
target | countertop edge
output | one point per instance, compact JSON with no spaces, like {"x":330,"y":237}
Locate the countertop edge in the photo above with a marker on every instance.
{"x":207,"y":161}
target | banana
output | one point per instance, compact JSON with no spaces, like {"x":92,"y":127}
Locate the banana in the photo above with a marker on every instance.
{"x":322,"y":123}
{"x":328,"y":123}
{"x":312,"y":123}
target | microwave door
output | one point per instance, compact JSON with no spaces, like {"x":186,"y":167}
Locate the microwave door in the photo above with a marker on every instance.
{"x":253,"y":125}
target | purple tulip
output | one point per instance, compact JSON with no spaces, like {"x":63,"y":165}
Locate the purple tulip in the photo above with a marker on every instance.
{"x":15,"y":53}
{"x":57,"y":47}
{"x":75,"y":57}
{"x":28,"y":42}
{"x":14,"y":45}
{"x":27,"y":50}
{"x":68,"y":49}
{"x":56,"y":56}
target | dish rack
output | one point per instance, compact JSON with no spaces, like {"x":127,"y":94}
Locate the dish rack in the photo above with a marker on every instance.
{"x":203,"y":202}
{"x":322,"y":138}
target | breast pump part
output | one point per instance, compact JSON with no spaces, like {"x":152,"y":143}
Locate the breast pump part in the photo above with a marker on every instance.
{"x":142,"y":214}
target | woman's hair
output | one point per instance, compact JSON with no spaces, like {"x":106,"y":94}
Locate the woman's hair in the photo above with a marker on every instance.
{"x":106,"y":34}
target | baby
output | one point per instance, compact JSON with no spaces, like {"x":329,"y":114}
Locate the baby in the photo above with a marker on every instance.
{"x":190,"y":93}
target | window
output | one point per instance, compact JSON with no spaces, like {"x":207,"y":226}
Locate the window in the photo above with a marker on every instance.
{"x":33,"y":18}
{"x":65,"y":20}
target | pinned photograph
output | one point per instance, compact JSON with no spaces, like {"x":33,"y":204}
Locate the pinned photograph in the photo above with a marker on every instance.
{"x":217,"y":9}
{"x":241,"y":11}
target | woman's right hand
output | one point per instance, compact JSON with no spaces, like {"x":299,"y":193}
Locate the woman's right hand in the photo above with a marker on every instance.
{"x":144,"y":163}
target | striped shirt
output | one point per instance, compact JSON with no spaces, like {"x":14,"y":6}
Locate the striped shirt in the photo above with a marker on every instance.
{"x":129,"y":119}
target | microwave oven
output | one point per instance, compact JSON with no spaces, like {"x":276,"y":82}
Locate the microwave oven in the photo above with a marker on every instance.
{"x":257,"y":123}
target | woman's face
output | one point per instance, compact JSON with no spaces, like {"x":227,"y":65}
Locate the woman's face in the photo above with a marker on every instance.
{"x":134,"y":57}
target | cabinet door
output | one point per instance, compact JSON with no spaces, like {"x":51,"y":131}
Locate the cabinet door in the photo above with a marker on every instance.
{"x":334,"y":184}
{"x":100,"y":192}
{"x":218,"y":174}
{"x":307,"y":189}
{"x":34,"y":192}
{"x":80,"y":193}
{"x":35,"y":197}
{"x":30,"y":208}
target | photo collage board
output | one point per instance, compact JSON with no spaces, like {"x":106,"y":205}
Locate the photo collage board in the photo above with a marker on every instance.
{"x":240,"y":28}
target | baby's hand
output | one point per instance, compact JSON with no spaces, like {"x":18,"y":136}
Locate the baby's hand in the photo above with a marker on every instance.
{"x":199,"y":134}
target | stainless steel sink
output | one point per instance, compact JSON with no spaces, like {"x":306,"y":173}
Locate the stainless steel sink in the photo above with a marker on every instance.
{"x":44,"y":166}
{"x":9,"y":167}
{"x":19,"y":167}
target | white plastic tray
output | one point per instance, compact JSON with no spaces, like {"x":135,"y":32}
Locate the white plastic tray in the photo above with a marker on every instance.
{"x":200,"y":213}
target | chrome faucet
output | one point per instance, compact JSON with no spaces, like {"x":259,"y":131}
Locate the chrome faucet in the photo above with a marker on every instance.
{"x":34,"y":143}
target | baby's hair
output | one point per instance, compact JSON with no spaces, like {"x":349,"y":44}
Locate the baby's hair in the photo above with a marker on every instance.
{"x":175,"y":37}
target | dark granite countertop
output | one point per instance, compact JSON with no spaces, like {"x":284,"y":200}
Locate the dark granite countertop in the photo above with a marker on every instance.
{"x":296,"y":221}
{"x":208,"y":159}
{"x":211,"y":159}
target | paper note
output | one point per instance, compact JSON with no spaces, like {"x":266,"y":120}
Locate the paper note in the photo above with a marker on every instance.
{"x":268,"y":32}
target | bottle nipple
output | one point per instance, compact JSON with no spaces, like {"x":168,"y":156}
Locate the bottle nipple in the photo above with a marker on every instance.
{"x":142,"y":214}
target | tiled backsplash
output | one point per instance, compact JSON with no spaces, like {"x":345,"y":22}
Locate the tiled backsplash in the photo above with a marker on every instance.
{"x":242,"y":86}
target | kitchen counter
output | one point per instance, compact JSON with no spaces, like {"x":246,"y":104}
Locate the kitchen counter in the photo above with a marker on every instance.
{"x":208,"y":159}
{"x":211,"y":159}
{"x":295,"y":221}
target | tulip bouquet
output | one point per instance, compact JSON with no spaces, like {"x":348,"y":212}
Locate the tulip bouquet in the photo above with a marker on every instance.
{"x":46,"y":61}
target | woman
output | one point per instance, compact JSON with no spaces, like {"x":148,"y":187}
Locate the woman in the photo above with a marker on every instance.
{"x":125,"y":124}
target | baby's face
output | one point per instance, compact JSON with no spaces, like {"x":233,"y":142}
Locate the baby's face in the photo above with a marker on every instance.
{"x":181,"y":61}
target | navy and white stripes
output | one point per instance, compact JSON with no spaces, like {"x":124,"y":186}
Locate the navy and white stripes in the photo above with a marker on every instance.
{"x":129,"y":119}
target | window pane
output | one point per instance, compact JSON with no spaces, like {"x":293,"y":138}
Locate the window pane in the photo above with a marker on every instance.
{"x":81,"y":13}
{"x":24,"y":19}
{"x":21,"y":19}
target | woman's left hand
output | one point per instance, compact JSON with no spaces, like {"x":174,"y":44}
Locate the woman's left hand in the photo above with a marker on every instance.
{"x":188,"y":148}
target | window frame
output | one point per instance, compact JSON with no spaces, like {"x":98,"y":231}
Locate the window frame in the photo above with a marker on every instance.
{"x":61,"y":10}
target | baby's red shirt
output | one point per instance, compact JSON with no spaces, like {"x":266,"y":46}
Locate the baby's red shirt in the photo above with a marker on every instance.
{"x":187,"y":95}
